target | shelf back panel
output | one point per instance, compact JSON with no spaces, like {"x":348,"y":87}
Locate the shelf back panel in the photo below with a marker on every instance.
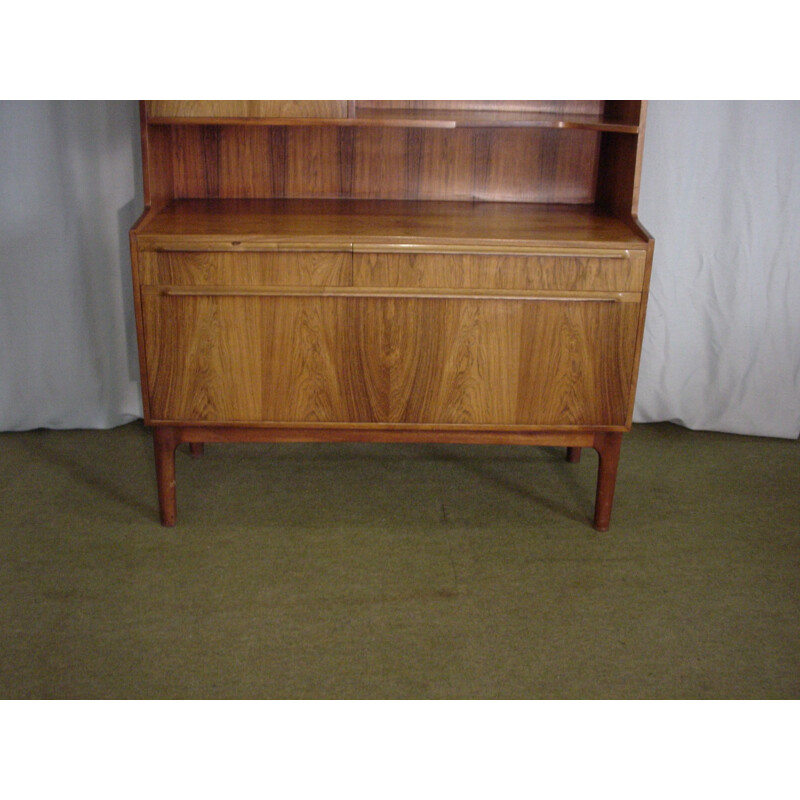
{"x":247,"y":108}
{"x":535,"y":165}
{"x":532,"y":106}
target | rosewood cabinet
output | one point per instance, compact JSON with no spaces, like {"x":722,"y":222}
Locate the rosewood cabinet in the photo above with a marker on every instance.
{"x":441,"y":271}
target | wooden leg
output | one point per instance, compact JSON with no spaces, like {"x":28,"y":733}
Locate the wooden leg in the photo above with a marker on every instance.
{"x":196,"y":449}
{"x":573,"y":455}
{"x":164,"y":443}
{"x":608,"y":448}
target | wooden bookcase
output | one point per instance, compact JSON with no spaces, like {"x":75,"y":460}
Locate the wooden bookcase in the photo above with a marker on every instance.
{"x":391,"y":271}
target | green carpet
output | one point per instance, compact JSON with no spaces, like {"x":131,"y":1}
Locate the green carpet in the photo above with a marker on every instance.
{"x":399,"y":571}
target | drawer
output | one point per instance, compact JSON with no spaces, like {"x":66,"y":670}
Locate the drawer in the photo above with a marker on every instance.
{"x":272,"y":268}
{"x":615,"y":271}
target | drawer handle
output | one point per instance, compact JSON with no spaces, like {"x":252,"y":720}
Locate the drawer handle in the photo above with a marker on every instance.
{"x":488,"y":250}
{"x":425,"y":294}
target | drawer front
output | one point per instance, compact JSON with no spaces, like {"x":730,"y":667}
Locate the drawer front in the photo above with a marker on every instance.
{"x":245,"y":269}
{"x":615,"y":271}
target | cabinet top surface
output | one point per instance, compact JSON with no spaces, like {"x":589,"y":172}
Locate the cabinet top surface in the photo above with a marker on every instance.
{"x":340,"y":223}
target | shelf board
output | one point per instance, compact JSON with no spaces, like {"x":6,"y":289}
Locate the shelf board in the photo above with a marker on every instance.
{"x":394,"y":224}
{"x":405,"y":121}
{"x":415,"y":118}
{"x":493,"y":119}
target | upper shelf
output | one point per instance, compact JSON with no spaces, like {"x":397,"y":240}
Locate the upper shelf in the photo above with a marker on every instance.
{"x":353,"y":114}
{"x":490,"y":119}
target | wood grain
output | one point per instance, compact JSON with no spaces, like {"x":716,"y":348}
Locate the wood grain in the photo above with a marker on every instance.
{"x":541,"y":106}
{"x":323,"y":432}
{"x":455,"y":361}
{"x":619,"y":166}
{"x":611,"y":273}
{"x":165,"y":440}
{"x":511,"y":165}
{"x":228,"y":290}
{"x":513,"y":362}
{"x":157,"y":160}
{"x":608,"y":447}
{"x":314,"y":364}
{"x":247,"y":108}
{"x":639,"y":338}
{"x":370,"y":224}
{"x":620,"y":272}
{"x":203,"y":357}
{"x":580,"y":358}
{"x":454,"y":271}
{"x":246,"y":269}
{"x":137,"y":308}
{"x":434,"y":118}
{"x":317,"y":358}
{"x":630,"y":112}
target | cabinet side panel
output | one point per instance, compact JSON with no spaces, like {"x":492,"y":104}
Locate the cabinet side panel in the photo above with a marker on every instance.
{"x":640,"y":334}
{"x":620,"y":161}
{"x":157,"y":161}
{"x":136,"y":258}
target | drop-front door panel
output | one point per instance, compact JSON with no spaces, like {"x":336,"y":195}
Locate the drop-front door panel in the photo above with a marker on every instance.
{"x":365,"y":355}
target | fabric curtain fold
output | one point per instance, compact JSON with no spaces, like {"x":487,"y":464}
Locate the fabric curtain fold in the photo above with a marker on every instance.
{"x":720,"y":192}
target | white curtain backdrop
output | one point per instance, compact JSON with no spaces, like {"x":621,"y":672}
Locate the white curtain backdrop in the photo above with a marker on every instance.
{"x":69,"y":191}
{"x":720,"y":193}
